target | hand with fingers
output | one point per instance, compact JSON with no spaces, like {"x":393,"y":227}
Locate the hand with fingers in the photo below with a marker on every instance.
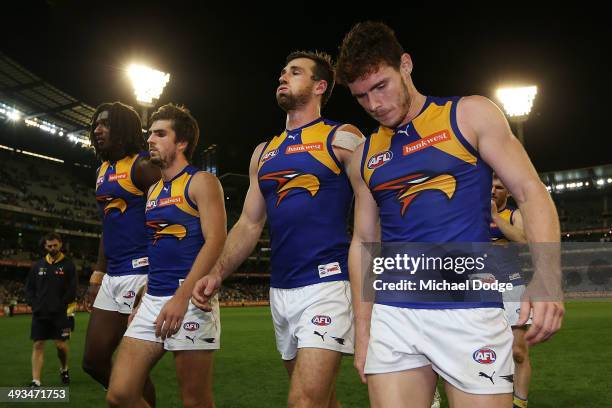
{"x":90,"y":296}
{"x":547,"y":318}
{"x":204,"y":290}
{"x":170,"y":318}
{"x":95,"y":281}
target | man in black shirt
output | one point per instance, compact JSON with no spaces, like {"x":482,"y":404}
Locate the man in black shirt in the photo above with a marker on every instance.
{"x":51,"y":286}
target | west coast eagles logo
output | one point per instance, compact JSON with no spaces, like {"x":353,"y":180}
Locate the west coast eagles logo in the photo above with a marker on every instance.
{"x":110,"y":203}
{"x":165,"y":229}
{"x":409,"y":187}
{"x":289,"y":180}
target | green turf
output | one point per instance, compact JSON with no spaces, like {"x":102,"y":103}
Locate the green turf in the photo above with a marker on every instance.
{"x":573,"y":369}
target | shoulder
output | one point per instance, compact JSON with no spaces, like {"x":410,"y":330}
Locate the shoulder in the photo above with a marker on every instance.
{"x":477,"y":109}
{"x":259,"y":148}
{"x":143,"y":162}
{"x":347,"y":127}
{"x":205,"y":177}
{"x":203,"y":182}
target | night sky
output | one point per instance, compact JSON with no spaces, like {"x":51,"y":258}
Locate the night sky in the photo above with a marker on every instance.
{"x":224,"y":63}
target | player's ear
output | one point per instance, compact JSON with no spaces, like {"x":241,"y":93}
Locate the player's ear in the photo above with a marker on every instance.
{"x":406,"y":64}
{"x":182,"y":145}
{"x":320,"y":87}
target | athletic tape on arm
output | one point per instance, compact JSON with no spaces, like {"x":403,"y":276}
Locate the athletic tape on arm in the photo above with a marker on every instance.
{"x":347,"y":140}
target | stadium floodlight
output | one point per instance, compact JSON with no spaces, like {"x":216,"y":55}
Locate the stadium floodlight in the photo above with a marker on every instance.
{"x":560,"y":186}
{"x":517,"y":103}
{"x":148,"y":83}
{"x":600,"y":182}
{"x":14,"y":115}
{"x":148,"y":86}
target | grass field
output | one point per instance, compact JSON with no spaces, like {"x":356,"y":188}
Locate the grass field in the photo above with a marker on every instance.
{"x":572,"y":370}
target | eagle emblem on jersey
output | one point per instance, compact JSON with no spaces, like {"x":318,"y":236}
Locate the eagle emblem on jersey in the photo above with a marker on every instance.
{"x":289,"y":180}
{"x":110,"y":203}
{"x":165,"y":229}
{"x":409,"y":187}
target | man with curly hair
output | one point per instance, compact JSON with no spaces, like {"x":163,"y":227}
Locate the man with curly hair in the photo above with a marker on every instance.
{"x":425,"y":176}
{"x":122,"y":180}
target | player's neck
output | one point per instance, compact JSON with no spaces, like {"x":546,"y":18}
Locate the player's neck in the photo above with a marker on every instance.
{"x":302,"y":116}
{"x":169,"y":172}
{"x":417,"y":101}
{"x":115,"y":156}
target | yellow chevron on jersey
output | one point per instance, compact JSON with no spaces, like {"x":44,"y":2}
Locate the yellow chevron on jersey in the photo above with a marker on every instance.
{"x":271,"y":149}
{"x":156,"y":190}
{"x":496,"y":233}
{"x":379,"y":144}
{"x":319,"y":133}
{"x":178,"y":191}
{"x":122,"y":175}
{"x":436,"y":120}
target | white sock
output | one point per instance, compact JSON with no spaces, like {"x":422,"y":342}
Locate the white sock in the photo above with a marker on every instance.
{"x":37,"y":382}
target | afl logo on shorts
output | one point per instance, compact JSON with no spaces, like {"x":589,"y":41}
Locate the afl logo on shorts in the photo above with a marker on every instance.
{"x":379,"y":159}
{"x":484,"y":356}
{"x":129,"y":295}
{"x":270,"y":155}
{"x":191,"y":326}
{"x":321,"y":320}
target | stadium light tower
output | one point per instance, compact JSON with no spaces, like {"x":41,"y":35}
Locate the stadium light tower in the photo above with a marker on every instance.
{"x":517,"y":103}
{"x":148,"y":85}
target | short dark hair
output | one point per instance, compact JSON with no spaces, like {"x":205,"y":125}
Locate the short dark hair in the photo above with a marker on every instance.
{"x":125,"y":128}
{"x":364,"y":48}
{"x":52,"y":236}
{"x":183,"y":124}
{"x":323,"y":69}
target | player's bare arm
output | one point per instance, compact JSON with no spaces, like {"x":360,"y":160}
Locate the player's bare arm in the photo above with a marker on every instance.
{"x":485,"y":126}
{"x":367,"y":229}
{"x":146,"y":173}
{"x":241,"y":239}
{"x":95,"y":280}
{"x":346,"y":139}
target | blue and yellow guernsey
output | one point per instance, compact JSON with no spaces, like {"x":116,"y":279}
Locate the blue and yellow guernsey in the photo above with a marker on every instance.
{"x":430,"y":184}
{"x":174,"y":233}
{"x":308,"y":198}
{"x":121,"y":205}
{"x":509,"y":269}
{"x":496,"y":234}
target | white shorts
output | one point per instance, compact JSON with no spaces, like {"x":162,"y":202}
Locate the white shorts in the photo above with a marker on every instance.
{"x":314,"y":316}
{"x":200,"y":330}
{"x":512,"y":305}
{"x":117,"y":293}
{"x":470,"y":348}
